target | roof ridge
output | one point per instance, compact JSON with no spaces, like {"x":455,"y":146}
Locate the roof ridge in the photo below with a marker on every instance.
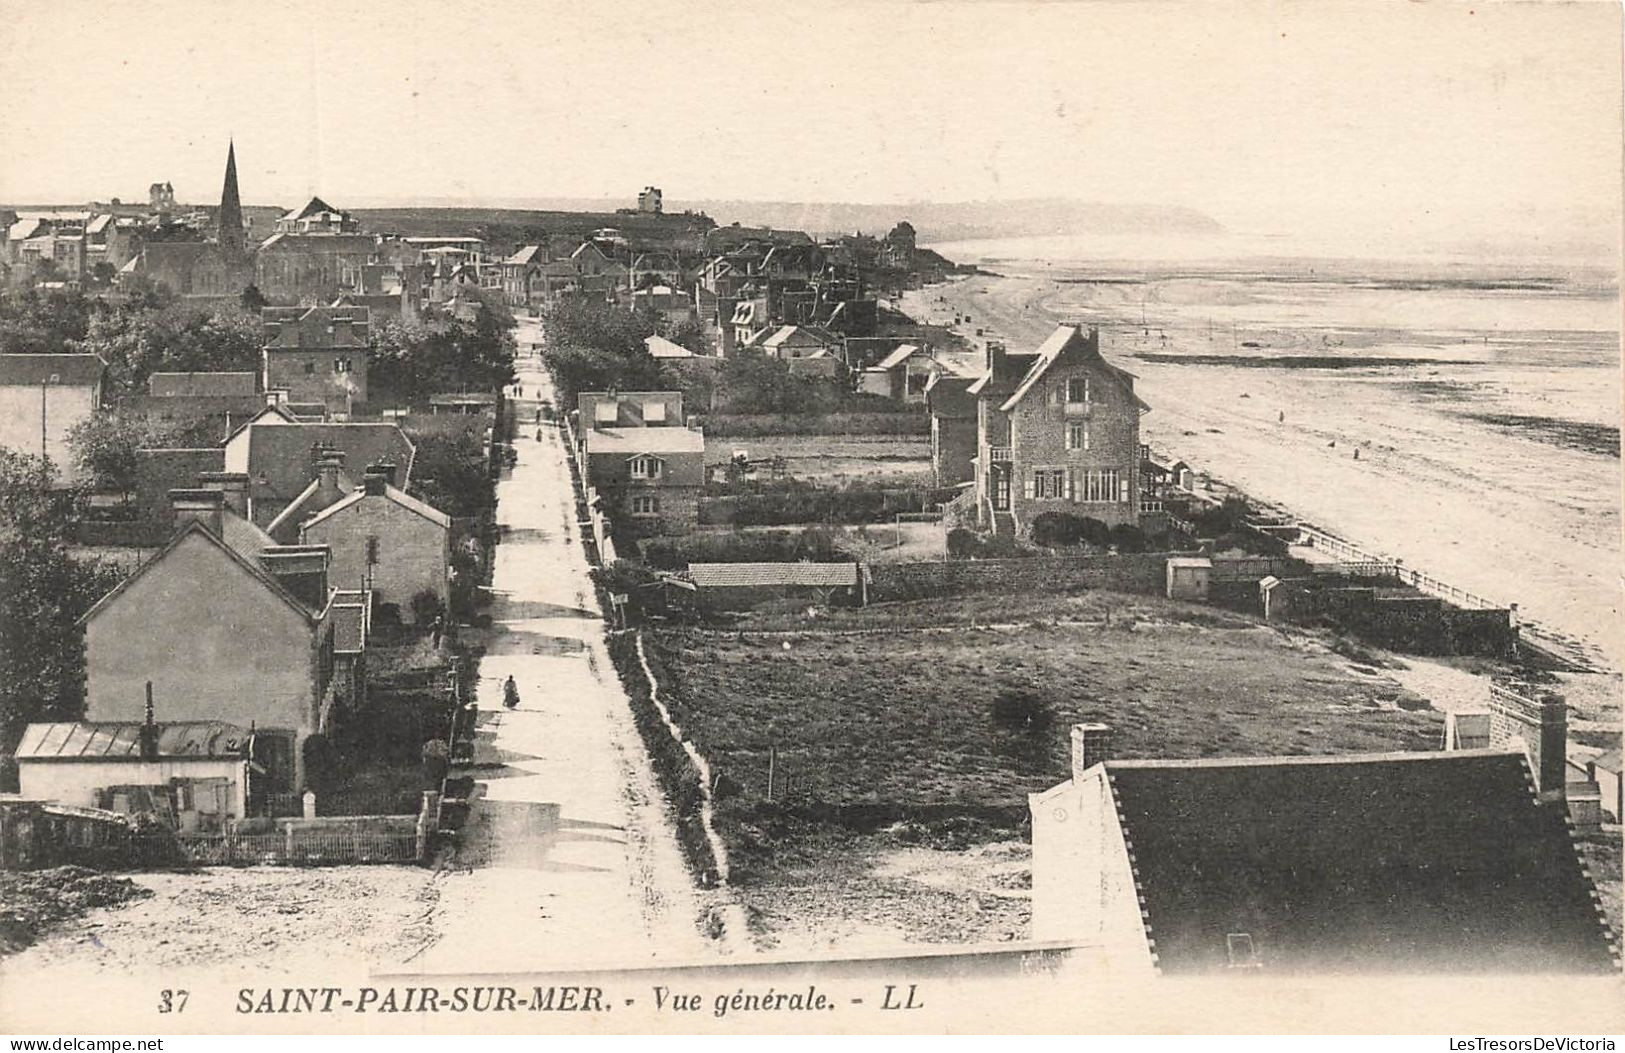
{"x":196,"y":526}
{"x":1327,"y":758}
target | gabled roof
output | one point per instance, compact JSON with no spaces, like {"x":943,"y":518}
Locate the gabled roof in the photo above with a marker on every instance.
{"x":181,"y":385}
{"x":121,"y":740}
{"x":242,"y":536}
{"x":903,"y":353}
{"x":819,"y":575}
{"x":35,"y":370}
{"x":400,"y":497}
{"x":949,"y":396}
{"x":314,"y":206}
{"x":247,"y":563}
{"x":273,"y":410}
{"x":279,"y":458}
{"x":660,"y":347}
{"x":673,"y":439}
{"x":800,"y":335}
{"x":306,"y":504}
{"x":1067,"y":338}
{"x":1400,"y":862}
{"x":528,"y":254}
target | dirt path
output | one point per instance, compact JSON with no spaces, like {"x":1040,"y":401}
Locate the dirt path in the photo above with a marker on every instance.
{"x":567,"y":856}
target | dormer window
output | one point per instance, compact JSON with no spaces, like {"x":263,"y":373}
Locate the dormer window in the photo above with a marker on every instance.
{"x":654,"y":412}
{"x":644,"y":466}
{"x":1077,"y":390}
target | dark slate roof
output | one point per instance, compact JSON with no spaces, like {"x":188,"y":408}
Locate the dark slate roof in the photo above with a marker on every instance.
{"x":1426,"y":862}
{"x":759,"y":575}
{"x":40,"y":369}
{"x":279,"y":455}
{"x":122,"y":741}
{"x":177,"y":385}
{"x":949,"y":397}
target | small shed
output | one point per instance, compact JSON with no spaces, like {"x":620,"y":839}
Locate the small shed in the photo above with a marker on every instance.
{"x":1188,"y":577}
{"x":735,"y":586}
{"x":1604,"y":770}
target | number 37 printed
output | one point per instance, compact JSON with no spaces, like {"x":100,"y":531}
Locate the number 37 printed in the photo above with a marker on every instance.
{"x":171,"y":1001}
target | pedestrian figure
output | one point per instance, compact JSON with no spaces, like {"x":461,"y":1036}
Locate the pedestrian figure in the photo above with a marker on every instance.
{"x":1282,"y":417}
{"x":434,"y":631}
{"x":1356,"y":453}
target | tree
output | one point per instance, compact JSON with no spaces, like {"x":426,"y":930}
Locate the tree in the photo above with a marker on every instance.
{"x":46,"y":592}
{"x":252,"y":299}
{"x":411,"y":362}
{"x":32,"y":323}
{"x":104,"y":447}
{"x":138,"y":340}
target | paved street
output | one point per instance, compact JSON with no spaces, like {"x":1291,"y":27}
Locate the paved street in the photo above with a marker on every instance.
{"x":567,"y":857}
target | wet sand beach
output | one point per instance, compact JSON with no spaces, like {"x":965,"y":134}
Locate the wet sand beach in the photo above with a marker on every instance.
{"x":1485,"y":414}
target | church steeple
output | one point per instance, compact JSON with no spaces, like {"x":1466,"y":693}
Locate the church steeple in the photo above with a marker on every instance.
{"x":231,"y":207}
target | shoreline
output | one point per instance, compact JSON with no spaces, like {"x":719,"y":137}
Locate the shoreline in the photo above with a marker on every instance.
{"x":1435,"y":487}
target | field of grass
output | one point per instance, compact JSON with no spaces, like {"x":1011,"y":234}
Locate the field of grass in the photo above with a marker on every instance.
{"x":881,"y":721}
{"x":895,"y":461}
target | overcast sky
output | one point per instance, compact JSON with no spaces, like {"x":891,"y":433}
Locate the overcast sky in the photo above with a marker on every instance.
{"x":1282,"y":117}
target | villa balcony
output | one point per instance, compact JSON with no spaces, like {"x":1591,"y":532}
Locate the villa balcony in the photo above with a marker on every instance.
{"x":1000,"y":455}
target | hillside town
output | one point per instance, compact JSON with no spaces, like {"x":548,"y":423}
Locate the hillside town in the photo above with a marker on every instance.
{"x":708,"y":590}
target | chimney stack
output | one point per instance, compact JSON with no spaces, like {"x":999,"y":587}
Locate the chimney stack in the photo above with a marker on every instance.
{"x":378,"y":477}
{"x":328,"y":466}
{"x":232,"y":485}
{"x":1540,"y":727}
{"x":1091,"y":745}
{"x":149,"y":730}
{"x":203,"y":506}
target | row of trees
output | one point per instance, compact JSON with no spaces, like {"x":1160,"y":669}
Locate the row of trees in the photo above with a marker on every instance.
{"x":45,"y":591}
{"x":598,"y":347}
{"x":153,"y":333}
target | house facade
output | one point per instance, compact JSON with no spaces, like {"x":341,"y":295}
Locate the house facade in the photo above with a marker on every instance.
{"x":240,"y":634}
{"x":317,"y":354}
{"x":1057,"y":431}
{"x":953,"y":429}
{"x":641,"y":460}
{"x":382,"y":536}
{"x":42,"y":398}
{"x":200,"y":768}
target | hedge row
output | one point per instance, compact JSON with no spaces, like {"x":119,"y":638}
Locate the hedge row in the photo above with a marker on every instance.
{"x":790,"y":508}
{"x":903,"y":422}
{"x":673,"y":767}
{"x":812,"y":544}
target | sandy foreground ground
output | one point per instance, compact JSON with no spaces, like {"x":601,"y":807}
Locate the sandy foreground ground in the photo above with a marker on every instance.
{"x":1485,"y":509}
{"x":567,"y":857}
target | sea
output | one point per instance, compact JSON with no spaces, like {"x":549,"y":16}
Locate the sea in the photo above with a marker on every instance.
{"x":1458,"y":410}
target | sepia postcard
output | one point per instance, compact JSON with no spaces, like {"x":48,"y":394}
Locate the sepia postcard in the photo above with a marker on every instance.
{"x":983,"y":516}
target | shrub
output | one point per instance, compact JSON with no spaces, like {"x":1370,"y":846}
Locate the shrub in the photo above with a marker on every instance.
{"x":321,"y":763}
{"x":1096,"y":533}
{"x":436,"y":757}
{"x":1022,"y":711}
{"x":426,"y":606}
{"x":962,"y":543}
{"x":1127,"y":538}
{"x":811,"y":544}
{"x":1051,"y":529}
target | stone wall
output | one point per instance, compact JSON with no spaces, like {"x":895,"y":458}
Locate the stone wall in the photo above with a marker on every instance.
{"x":1139,"y":572}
